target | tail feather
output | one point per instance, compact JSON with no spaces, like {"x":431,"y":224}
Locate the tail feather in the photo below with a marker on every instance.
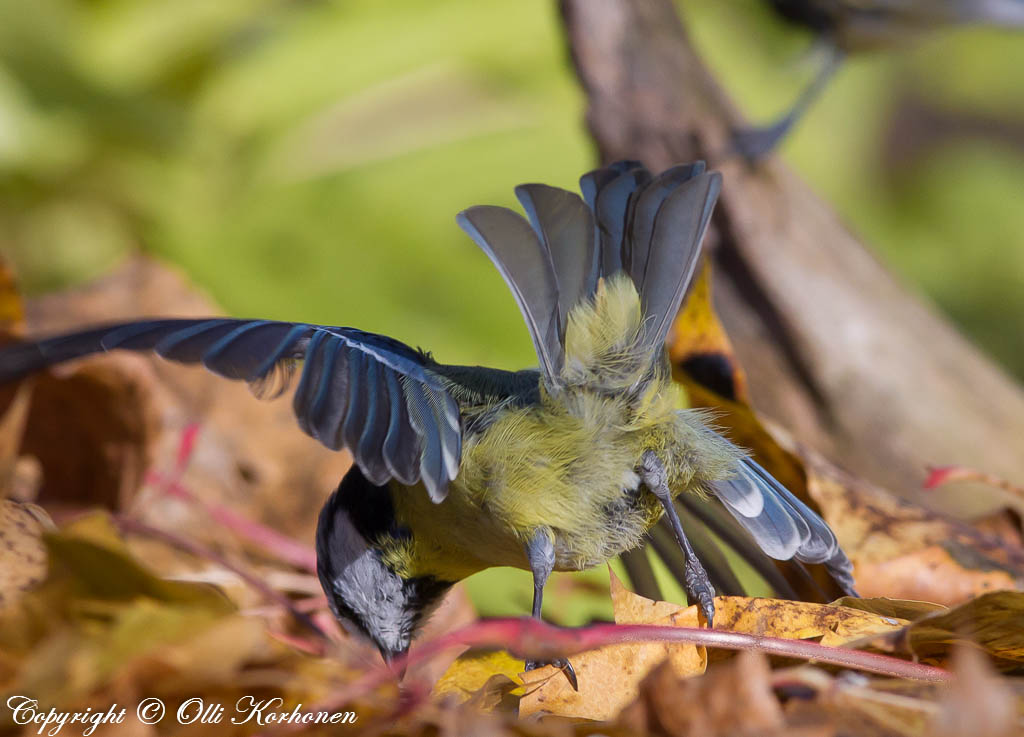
{"x":565,"y":227}
{"x":509,"y":241}
{"x":649,"y":227}
{"x":674,"y":250}
{"x":613,"y":206}
{"x":648,"y":205}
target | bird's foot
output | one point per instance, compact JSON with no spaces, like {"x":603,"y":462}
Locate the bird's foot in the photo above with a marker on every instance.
{"x":562,"y":664}
{"x":698,"y":588}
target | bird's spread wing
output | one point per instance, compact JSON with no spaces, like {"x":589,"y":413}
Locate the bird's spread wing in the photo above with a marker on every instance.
{"x":368,"y":393}
{"x":781,"y":525}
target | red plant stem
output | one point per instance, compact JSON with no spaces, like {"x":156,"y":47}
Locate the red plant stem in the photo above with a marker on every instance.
{"x":528,"y":637}
{"x":939,"y":475}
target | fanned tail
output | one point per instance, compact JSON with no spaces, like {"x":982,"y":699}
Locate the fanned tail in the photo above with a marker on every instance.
{"x":649,"y":227}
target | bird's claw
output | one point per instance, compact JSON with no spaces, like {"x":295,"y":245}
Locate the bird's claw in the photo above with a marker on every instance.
{"x":562,"y":664}
{"x":698,"y":588}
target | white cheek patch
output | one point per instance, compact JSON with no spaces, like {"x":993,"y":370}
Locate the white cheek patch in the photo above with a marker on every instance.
{"x":374,"y":594}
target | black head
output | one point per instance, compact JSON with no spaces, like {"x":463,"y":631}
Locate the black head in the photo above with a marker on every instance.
{"x":361,"y":589}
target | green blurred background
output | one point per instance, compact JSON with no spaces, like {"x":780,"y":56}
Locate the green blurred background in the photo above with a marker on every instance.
{"x":304,"y":159}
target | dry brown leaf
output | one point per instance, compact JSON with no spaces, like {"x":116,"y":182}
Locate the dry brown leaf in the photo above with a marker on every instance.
{"x":978,"y":702}
{"x":732,"y":699}
{"x":609,"y":677}
{"x":93,"y":427}
{"x":1004,"y":524}
{"x":993,"y":621}
{"x":902,"y":550}
{"x":796,"y":620}
{"x":907,"y":609}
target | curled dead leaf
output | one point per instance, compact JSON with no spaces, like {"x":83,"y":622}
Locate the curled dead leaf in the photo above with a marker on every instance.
{"x":994,"y":622}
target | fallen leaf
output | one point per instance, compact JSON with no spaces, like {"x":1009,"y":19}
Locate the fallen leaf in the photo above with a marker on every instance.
{"x":903,"y":550}
{"x":978,"y":702}
{"x":994,"y":622}
{"x":829,"y":624}
{"x":898,"y":608}
{"x":487,"y":680}
{"x":610,"y":677}
{"x":732,"y":699}
{"x":699,"y":346}
{"x":22,"y":551}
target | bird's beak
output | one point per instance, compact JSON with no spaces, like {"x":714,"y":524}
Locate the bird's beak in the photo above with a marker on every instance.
{"x":395,"y":660}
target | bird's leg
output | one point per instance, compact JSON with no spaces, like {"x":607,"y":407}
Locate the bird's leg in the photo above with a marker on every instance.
{"x":697,"y":584}
{"x":540,"y":550}
{"x":754,"y":143}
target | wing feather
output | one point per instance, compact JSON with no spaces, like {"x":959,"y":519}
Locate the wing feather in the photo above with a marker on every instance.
{"x":354,"y":389}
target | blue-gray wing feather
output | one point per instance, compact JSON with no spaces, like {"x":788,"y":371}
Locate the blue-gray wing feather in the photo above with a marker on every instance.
{"x":782,"y":525}
{"x":366,"y":392}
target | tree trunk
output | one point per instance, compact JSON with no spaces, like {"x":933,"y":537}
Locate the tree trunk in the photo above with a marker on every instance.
{"x":839,"y":352}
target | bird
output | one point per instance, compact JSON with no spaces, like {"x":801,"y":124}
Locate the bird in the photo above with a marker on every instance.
{"x":461,"y":468}
{"x":845,"y":27}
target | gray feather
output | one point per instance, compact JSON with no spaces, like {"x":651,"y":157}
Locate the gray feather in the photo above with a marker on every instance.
{"x":400,"y":435}
{"x":645,"y":215}
{"x":511,"y":244}
{"x":423,"y":420}
{"x":674,"y":251}
{"x":565,"y":227}
{"x":613,"y":207}
{"x":370,"y":444}
{"x":349,"y":394}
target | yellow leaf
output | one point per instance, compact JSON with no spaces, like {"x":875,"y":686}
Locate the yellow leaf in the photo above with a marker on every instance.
{"x":488,"y":680}
{"x":798,"y":620}
{"x":699,"y":346}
